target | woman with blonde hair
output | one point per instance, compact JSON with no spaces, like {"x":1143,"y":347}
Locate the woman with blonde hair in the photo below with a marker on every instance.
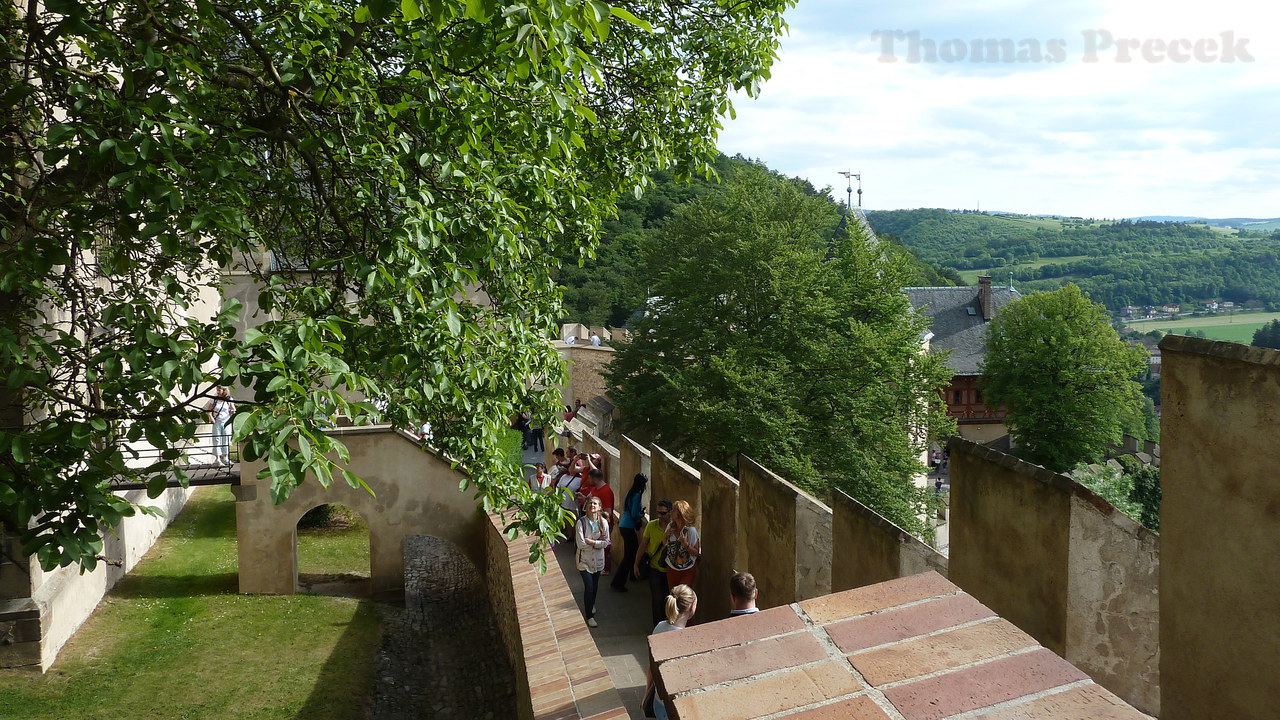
{"x":682,"y":603}
{"x":682,"y":545}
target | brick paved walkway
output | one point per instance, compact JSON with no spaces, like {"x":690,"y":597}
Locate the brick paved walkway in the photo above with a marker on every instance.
{"x":624,"y":622}
{"x":441,"y":655}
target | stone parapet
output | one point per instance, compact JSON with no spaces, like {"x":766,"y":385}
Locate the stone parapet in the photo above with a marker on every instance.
{"x":559,"y":672}
{"x":1220,"y":531}
{"x":1062,"y":564}
{"x":884,"y":550}
{"x":787,"y":536}
{"x":915,"y":648}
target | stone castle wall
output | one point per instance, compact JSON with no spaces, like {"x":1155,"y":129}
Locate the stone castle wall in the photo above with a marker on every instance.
{"x":1220,"y":530}
{"x":40,"y":611}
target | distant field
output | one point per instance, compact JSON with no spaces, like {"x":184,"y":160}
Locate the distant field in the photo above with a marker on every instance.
{"x":1218,"y":229}
{"x":971,"y":276}
{"x":1263,"y":226}
{"x":1239,"y":328}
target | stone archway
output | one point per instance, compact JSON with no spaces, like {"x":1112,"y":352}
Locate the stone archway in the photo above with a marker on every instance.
{"x":416,"y":494}
{"x":333,"y":552}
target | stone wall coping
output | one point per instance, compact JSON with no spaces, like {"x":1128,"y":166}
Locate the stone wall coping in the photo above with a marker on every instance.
{"x":565,"y":672}
{"x":639,"y":449}
{"x":839,"y":497}
{"x":680,"y":465}
{"x":609,"y":450}
{"x":1055,"y":480}
{"x":917,"y":648}
{"x":562,"y":345}
{"x":767,"y":473}
{"x":707,"y":467}
{"x":1220,"y":349}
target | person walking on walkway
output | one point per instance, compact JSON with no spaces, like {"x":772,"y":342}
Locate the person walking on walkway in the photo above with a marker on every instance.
{"x":650,"y":561}
{"x":629,"y":526}
{"x":592,"y":535}
{"x":682,"y":545}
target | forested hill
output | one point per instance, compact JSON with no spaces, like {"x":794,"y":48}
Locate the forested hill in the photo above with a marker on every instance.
{"x":604,"y":290}
{"x":1118,"y":263}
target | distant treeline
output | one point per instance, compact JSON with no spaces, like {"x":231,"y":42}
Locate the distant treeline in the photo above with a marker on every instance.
{"x":1118,"y":263}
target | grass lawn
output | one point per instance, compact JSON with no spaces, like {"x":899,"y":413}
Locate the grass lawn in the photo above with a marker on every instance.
{"x":1237,"y":328}
{"x":1238,"y":332}
{"x":174,"y":640}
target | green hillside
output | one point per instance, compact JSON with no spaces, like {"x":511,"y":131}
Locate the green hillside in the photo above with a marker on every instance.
{"x":1117,"y":262}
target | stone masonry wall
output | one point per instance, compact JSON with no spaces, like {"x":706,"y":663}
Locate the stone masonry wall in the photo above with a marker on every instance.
{"x":675,"y":479}
{"x":586,"y":370}
{"x":1220,"y":531}
{"x":1060,"y":563}
{"x":558,"y":670}
{"x":720,"y":540}
{"x":788,"y":536}
{"x":1010,"y":526}
{"x":57,"y":602}
{"x":885,"y":551}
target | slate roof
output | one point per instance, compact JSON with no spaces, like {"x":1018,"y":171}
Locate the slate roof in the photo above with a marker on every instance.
{"x":953,"y":327}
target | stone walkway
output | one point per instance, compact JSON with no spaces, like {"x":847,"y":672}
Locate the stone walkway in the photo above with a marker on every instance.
{"x":624,"y":622}
{"x":441,"y":654}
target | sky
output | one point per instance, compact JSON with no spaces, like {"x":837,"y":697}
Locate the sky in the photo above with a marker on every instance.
{"x":1092,"y":108}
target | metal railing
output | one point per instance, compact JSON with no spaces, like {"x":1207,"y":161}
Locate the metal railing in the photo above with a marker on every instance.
{"x":197,"y":460}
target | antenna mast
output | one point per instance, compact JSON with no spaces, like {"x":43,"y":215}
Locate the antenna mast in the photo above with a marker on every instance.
{"x":849,"y":176}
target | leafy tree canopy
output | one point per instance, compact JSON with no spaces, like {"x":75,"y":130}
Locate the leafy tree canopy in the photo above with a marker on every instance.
{"x":388,"y":158}
{"x":769,"y":333}
{"x":1268,"y":336}
{"x":608,"y":289}
{"x":1065,"y":376}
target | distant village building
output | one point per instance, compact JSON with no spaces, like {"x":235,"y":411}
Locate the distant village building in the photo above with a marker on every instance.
{"x":959,"y":318}
{"x":1172,"y":309}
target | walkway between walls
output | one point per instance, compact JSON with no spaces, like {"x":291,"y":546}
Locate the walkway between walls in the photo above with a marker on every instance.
{"x":624,"y":623}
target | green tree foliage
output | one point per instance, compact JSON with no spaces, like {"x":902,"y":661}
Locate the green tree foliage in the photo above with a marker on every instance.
{"x":388,"y":156}
{"x":609,"y":288}
{"x":1135,"y":491}
{"x":1268,"y":336}
{"x":1064,"y":376}
{"x":768,"y":334}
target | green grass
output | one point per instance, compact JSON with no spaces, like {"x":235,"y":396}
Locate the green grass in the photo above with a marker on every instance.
{"x":340,"y":549}
{"x":511,"y":446}
{"x":1234,"y":328}
{"x":174,"y":640}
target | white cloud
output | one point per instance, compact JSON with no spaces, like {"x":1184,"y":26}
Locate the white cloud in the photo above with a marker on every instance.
{"x":1105,"y":138}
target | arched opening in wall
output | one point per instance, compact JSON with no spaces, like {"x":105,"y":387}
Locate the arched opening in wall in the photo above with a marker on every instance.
{"x":333,"y":552}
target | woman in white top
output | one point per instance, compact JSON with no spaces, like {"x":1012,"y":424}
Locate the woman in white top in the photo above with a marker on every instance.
{"x":220,"y":409}
{"x":592,"y":534}
{"x":539,"y":481}
{"x":682,"y":603}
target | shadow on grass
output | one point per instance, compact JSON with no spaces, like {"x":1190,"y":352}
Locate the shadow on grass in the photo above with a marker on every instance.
{"x":344,"y":688}
{"x":172,"y":586}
